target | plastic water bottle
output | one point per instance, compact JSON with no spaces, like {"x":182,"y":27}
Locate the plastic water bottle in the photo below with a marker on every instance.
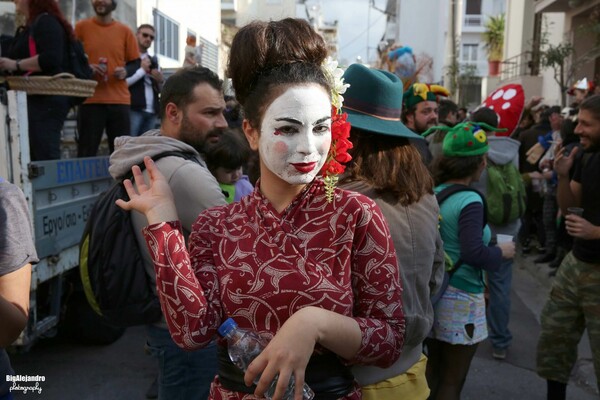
{"x":244,"y":346}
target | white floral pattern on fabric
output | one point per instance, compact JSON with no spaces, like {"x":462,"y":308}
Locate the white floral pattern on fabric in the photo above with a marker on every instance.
{"x":248,"y":262}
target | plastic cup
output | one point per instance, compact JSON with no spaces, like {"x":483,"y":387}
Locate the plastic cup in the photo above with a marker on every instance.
{"x":500,"y":238}
{"x":575,"y":211}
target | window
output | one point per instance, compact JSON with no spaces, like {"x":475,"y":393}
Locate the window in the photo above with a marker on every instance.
{"x":469,"y":52}
{"x":167,"y":35}
{"x":210,"y":54}
{"x":473,"y":7}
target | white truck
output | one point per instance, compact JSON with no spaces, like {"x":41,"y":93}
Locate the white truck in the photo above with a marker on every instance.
{"x":60,"y":194}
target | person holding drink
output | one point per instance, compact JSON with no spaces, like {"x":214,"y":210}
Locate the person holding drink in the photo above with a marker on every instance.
{"x":110,"y":45}
{"x":308,"y":265}
{"x":574,"y":303}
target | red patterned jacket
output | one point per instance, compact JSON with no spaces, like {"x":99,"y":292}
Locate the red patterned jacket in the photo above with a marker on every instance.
{"x":251,"y":263}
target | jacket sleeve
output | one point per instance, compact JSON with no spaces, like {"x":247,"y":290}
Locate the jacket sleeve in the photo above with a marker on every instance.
{"x":377,"y":290}
{"x":470,"y":234}
{"x":134,"y":71}
{"x":132,"y":50}
{"x":191,"y":306}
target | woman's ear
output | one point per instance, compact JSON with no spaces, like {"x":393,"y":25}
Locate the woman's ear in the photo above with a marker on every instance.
{"x":251,"y":133}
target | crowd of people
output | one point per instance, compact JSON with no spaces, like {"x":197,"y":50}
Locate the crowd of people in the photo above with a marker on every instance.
{"x":129,"y":79}
{"x":364,"y":230}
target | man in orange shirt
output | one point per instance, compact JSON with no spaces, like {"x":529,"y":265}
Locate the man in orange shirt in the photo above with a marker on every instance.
{"x":109,"y":45}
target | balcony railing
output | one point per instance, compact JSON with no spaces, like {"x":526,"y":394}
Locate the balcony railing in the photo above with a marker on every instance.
{"x":522,"y":64}
{"x":473,"y":20}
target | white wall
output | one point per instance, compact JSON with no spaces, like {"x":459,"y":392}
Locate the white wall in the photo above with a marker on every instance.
{"x":202,"y":17}
{"x":423,"y":24}
{"x":265,"y":10}
{"x":556,"y":26}
{"x":520,"y":15}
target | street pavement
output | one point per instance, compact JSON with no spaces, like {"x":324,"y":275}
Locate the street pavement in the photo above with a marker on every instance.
{"x":123,"y":371}
{"x":515,"y":377}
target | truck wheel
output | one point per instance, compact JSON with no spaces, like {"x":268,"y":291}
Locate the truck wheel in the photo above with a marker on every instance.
{"x":84,"y":326}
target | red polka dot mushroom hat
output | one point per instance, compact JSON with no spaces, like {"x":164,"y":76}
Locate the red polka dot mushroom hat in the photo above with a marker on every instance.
{"x":508,"y":102}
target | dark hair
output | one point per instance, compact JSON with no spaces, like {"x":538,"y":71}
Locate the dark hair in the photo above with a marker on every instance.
{"x":406,"y":111}
{"x":545,"y":115}
{"x":179,"y":88}
{"x":230,"y":152}
{"x":485,"y":115}
{"x":148,"y":26}
{"x":464,"y":109}
{"x":447,"y":168}
{"x":446,"y":107}
{"x":567,"y":132}
{"x":265,"y":55}
{"x":38,"y":7}
{"x":592,"y":104}
{"x":527,"y":114}
{"x":391,"y":165}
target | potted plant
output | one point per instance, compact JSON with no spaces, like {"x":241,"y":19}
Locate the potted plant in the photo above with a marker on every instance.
{"x":493,"y":39}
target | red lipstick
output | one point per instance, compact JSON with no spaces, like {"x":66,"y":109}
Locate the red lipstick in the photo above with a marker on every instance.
{"x":305,"y":168}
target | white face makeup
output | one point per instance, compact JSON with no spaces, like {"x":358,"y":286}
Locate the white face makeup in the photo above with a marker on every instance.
{"x":296,"y":134}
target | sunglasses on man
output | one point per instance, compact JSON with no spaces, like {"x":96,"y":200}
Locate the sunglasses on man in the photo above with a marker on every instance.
{"x":147,"y":35}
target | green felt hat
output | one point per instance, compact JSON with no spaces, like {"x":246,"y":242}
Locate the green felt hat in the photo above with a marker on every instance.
{"x":373,"y":101}
{"x":464,"y":140}
{"x":418,"y":92}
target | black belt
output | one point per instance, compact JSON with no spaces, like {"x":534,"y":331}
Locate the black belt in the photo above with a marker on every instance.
{"x":325,"y":374}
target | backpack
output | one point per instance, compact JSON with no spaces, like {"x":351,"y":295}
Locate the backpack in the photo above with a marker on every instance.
{"x":79,"y":67}
{"x":111,"y":266}
{"x":451,"y":267}
{"x":505,"y":193}
{"x":78,"y":60}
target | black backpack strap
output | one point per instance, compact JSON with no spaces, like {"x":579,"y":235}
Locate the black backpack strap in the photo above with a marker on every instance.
{"x":457,"y":187}
{"x":173,"y":153}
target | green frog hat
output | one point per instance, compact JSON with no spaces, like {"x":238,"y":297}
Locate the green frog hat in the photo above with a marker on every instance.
{"x":464,"y":140}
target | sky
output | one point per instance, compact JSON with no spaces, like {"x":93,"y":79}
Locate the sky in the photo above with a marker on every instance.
{"x":357,"y":26}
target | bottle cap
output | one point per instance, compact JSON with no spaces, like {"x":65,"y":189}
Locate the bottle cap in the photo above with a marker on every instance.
{"x":227,"y":327}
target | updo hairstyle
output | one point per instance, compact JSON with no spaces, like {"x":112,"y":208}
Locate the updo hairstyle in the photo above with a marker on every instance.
{"x":265,"y":55}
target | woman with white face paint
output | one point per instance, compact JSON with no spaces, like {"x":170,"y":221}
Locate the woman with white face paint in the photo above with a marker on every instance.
{"x":310,"y":267}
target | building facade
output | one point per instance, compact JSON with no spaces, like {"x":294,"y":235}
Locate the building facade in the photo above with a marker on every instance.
{"x":450,"y":32}
{"x":237,"y":13}
{"x":535,"y":28}
{"x":172,"y":19}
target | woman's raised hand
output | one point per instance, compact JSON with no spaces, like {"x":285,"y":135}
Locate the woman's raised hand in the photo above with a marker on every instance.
{"x":153,"y":199}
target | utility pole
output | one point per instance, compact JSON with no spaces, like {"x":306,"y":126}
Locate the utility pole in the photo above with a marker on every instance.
{"x":451,"y":66}
{"x":368,"y":31}
{"x":397,"y":22}
{"x":73,"y":14}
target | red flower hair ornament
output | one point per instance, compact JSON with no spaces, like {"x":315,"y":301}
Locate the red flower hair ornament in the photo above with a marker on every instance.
{"x":340,"y":130}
